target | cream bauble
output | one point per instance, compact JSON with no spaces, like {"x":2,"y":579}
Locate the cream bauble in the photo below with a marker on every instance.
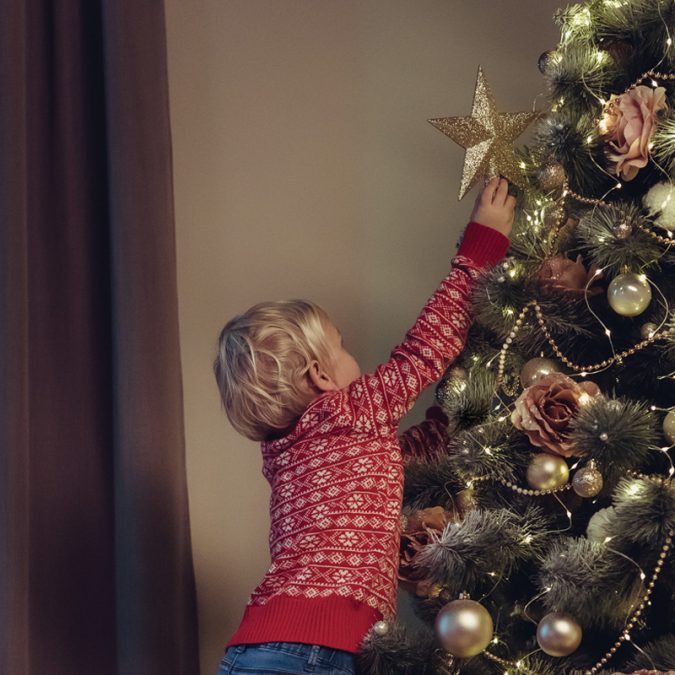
{"x":464,"y":628}
{"x":669,"y":427}
{"x":381,"y":628}
{"x":547,"y":472}
{"x":535,"y":369}
{"x":647,"y":330}
{"x":559,"y":634}
{"x":629,"y":294}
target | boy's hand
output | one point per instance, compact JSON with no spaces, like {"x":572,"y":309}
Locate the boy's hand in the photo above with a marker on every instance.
{"x":494,"y":206}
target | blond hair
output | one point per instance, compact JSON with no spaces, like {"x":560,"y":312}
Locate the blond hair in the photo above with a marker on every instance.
{"x":262,"y":362}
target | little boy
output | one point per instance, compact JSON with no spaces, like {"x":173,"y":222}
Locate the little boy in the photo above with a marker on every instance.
{"x":333,"y":459}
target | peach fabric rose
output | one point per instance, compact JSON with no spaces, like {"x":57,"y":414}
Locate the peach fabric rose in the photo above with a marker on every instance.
{"x":568,"y":276}
{"x":629,"y":122}
{"x":545,"y":410}
{"x":421,"y":528}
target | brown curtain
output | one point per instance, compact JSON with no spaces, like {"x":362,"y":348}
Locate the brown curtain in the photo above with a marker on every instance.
{"x":95,"y":563}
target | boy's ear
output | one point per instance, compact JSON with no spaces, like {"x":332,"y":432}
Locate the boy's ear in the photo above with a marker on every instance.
{"x":320,"y":378}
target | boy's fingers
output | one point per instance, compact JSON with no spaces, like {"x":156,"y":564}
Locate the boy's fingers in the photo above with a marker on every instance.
{"x":490,"y":189}
{"x":502,"y":192}
{"x":511,"y":201}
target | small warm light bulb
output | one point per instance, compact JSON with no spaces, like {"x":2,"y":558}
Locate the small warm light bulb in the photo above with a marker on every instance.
{"x":608,"y":332}
{"x":669,"y":41}
{"x":655,"y":83}
{"x":618,"y":186}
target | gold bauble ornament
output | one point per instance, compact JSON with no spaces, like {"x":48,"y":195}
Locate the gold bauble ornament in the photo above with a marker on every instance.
{"x":629,"y":294}
{"x":464,"y":628}
{"x":535,"y":369}
{"x":551,"y":175}
{"x":487,"y":136}
{"x":547,"y":472}
{"x":559,"y":634}
{"x":588,"y":481}
{"x":669,"y":426}
{"x":647,"y":330}
{"x":465,"y":500}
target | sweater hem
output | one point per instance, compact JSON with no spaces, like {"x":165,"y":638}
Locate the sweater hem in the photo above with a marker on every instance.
{"x":334,"y":622}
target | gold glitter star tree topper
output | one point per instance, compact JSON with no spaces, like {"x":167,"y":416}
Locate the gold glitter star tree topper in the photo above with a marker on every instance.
{"x":487,"y":136}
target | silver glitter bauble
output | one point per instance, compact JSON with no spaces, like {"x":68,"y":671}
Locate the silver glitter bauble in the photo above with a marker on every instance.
{"x":629,"y":294}
{"x":669,"y":426}
{"x":622,"y":231}
{"x":535,"y":369}
{"x":464,"y":628}
{"x":381,"y":628}
{"x":551,"y":175}
{"x":547,"y":472}
{"x":559,"y":634}
{"x":588,"y":481}
{"x":647,"y":330}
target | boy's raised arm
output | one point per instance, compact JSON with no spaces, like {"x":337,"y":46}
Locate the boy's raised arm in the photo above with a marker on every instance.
{"x":380,"y":399}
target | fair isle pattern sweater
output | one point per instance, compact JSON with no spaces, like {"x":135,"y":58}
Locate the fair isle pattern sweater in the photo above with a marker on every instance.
{"x":337,"y":481}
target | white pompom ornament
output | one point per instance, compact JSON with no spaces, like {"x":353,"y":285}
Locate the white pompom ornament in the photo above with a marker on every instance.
{"x":660,"y":200}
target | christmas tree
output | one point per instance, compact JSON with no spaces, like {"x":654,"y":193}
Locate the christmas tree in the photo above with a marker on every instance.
{"x":540,"y":539}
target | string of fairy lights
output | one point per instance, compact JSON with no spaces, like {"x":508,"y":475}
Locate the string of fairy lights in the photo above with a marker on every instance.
{"x":532,"y":317}
{"x":655,"y":333}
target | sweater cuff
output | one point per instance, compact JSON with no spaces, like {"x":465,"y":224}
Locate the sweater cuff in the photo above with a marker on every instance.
{"x":485,"y":246}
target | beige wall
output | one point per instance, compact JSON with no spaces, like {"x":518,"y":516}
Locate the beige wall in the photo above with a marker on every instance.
{"x":304,"y":167}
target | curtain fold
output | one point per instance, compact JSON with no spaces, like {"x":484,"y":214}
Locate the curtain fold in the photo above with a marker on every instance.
{"x":95,"y":561}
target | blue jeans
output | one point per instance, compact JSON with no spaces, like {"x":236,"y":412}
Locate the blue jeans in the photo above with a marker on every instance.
{"x":285,"y":658}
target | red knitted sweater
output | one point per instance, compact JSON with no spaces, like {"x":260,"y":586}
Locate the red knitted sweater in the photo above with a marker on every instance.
{"x":337,"y":481}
